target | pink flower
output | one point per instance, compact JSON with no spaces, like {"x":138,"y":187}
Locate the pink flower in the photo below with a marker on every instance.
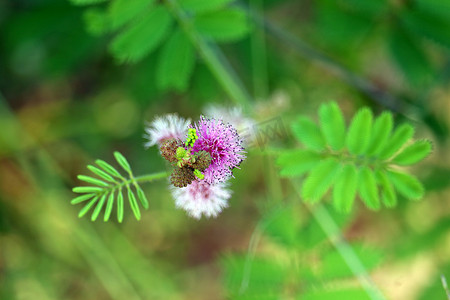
{"x":224,"y":145}
{"x":200,"y":198}
{"x":166,"y":127}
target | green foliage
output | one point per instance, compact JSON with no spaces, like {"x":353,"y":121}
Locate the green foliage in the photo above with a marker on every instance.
{"x":142,"y":36}
{"x":408,"y":27}
{"x":176,"y":62}
{"x":283,"y":274}
{"x":364,"y":167}
{"x":103,"y":191}
{"x":86,"y":2}
{"x":224,"y":25}
{"x":410,"y":57}
{"x":142,"y":26}
{"x":201,"y":6}
{"x":348,"y":294}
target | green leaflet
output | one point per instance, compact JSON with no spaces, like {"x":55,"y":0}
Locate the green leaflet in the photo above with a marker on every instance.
{"x":121,"y":12}
{"x":360,"y":166}
{"x":344,"y":190}
{"x":98,"y":208}
{"x":122,"y":161}
{"x":307,"y":132}
{"x":120,"y":206}
{"x":223,"y":25}
{"x":142,"y":197}
{"x":297,"y":162}
{"x":143,"y":36}
{"x":108,"y":168}
{"x":87,"y":207}
{"x":359,"y":133}
{"x":109,"y":207}
{"x":133,"y":204}
{"x":368,"y":188}
{"x":407,"y":185}
{"x":92,"y":180}
{"x":413,"y":153}
{"x":81,"y":198}
{"x":401,"y":135}
{"x":101,"y":173}
{"x":388,"y":195}
{"x":320,"y":179}
{"x":176,"y":62}
{"x":382,"y":128}
{"x":201,"y":6}
{"x":333,"y":125}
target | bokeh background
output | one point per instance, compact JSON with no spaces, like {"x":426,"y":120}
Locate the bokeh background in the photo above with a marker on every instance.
{"x":75,"y":87}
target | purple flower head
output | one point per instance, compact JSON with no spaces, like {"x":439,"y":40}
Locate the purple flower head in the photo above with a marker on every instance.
{"x":224,"y":145}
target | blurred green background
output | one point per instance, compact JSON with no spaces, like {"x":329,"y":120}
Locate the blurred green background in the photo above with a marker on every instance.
{"x":78,"y":81}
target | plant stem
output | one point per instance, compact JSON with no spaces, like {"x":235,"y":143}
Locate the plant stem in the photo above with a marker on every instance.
{"x":331,"y":229}
{"x":213,"y":57}
{"x":151,"y":177}
{"x":133,"y":180}
{"x":445,"y":286}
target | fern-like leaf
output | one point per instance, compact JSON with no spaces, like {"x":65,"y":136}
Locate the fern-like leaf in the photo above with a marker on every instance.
{"x":357,"y":162}
{"x":103,"y":190}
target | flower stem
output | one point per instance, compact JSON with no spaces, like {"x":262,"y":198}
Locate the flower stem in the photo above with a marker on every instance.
{"x":151,"y":177}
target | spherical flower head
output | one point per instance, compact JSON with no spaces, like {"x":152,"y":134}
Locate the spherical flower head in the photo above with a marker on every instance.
{"x":223,"y":144}
{"x":200,"y":198}
{"x":166,"y":127}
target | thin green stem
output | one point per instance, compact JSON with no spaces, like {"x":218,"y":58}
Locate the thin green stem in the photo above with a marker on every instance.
{"x":151,"y":177}
{"x":331,"y":229}
{"x":213,"y":57}
{"x":134,"y":180}
{"x":445,"y":286}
